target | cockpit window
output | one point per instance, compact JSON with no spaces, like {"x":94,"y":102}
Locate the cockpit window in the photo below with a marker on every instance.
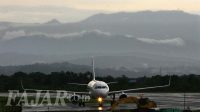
{"x":100,"y":87}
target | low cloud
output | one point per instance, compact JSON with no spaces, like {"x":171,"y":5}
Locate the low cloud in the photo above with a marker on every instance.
{"x":174,"y":41}
{"x":13,"y":34}
{"x":128,"y":36}
{"x":97,"y":31}
{"x":84,"y":32}
{"x":17,"y":34}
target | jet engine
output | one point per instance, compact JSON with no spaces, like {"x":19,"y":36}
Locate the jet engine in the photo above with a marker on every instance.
{"x":74,"y":99}
{"x":123,"y":95}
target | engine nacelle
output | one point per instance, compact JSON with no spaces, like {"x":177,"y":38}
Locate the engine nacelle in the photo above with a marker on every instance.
{"x":123,"y":96}
{"x":74,"y":99}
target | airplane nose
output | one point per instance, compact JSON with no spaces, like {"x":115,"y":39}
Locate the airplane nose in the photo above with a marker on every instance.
{"x":102,"y":93}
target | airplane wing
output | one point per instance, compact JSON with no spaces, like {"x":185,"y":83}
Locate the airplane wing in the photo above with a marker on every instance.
{"x":78,"y":84}
{"x":55,"y":91}
{"x":137,"y":89}
{"x":112,"y":83}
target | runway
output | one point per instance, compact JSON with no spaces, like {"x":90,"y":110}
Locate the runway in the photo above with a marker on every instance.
{"x":163,"y":100}
{"x":174,"y":100}
{"x":71,"y":108}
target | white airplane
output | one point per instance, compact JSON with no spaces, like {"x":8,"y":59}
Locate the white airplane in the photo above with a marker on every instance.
{"x":99,"y":90}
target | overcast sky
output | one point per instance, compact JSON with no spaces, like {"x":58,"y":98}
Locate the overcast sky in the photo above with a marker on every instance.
{"x":76,"y":10}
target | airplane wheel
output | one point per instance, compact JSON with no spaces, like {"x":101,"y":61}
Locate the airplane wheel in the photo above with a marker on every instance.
{"x":83,"y":104}
{"x":79,"y":104}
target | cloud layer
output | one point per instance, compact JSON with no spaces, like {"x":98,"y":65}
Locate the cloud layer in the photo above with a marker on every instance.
{"x":9,"y":35}
{"x":13,"y":34}
{"x":20,"y":33}
{"x":174,"y":41}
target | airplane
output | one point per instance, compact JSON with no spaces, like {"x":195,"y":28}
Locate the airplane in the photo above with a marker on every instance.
{"x":99,"y":90}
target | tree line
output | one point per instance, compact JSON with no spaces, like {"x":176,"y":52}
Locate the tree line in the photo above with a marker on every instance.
{"x":60,"y":80}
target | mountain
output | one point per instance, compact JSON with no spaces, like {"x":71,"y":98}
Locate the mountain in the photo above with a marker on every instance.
{"x":65,"y":66}
{"x":97,"y":41}
{"x":124,"y":39}
{"x":53,"y":22}
{"x":145,"y":69}
{"x":146,"y":24}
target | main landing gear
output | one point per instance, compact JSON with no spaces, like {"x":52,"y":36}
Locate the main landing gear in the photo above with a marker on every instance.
{"x":81,"y":103}
{"x":100,"y":101}
{"x":113,"y":99}
{"x":76,"y":100}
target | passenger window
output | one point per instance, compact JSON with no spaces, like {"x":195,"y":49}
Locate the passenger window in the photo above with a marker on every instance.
{"x":100,"y":87}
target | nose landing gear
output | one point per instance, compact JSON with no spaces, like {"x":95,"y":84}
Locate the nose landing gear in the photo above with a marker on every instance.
{"x":113,"y":100}
{"x":100,"y":101}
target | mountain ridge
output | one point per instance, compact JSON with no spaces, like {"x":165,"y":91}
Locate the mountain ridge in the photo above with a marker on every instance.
{"x":163,"y":33}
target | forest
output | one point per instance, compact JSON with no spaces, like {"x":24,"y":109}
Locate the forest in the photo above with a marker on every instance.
{"x":60,"y":80}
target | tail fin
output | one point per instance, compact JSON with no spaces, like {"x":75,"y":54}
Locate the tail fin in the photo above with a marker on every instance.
{"x":93,"y":71}
{"x":22,"y":85}
{"x":170,"y":78}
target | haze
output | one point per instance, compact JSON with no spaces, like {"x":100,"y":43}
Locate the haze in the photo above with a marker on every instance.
{"x":29,"y":11}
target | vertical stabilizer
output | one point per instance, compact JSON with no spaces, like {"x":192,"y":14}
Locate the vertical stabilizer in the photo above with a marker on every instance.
{"x":160,"y":71}
{"x":93,"y":71}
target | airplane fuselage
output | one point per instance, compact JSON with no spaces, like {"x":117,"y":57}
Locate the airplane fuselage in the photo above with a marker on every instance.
{"x":98,"y":89}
